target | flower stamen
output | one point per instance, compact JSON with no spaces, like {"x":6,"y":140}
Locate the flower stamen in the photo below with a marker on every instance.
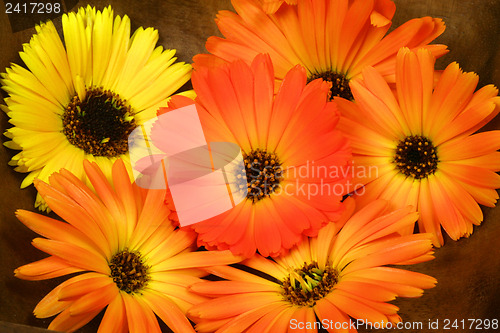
{"x":415,"y":156}
{"x":340,"y":84}
{"x":128,"y":271}
{"x":309,"y":284}
{"x":99,"y":124}
{"x":263,"y":173}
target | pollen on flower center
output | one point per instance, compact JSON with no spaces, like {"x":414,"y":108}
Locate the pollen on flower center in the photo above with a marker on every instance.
{"x":340,"y":84}
{"x":309,"y":284}
{"x":263,"y":173}
{"x":415,"y":156}
{"x":100,"y":124}
{"x":128,"y":271}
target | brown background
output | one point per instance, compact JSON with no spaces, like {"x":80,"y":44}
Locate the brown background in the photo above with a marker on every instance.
{"x":468,"y":271}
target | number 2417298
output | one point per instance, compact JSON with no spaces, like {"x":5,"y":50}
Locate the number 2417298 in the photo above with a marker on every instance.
{"x":478,"y":324}
{"x":32,"y":8}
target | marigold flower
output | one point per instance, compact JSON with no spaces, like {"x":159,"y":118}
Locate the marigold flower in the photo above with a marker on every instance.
{"x":129,"y":256}
{"x":333,"y":39}
{"x":420,"y":139}
{"x":334,"y":276}
{"x":295,"y":160}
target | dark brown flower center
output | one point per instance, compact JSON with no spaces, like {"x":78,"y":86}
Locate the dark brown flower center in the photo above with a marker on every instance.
{"x":340,"y":84}
{"x":263,"y":174}
{"x":415,"y":156}
{"x":309,"y":284}
{"x":100,"y":124}
{"x":128,"y":271}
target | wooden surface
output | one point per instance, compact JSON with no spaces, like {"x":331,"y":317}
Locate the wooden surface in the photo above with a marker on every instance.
{"x":6,"y":327}
{"x":468,"y":271}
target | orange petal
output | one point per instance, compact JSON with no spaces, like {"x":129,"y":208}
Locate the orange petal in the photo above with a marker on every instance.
{"x":71,"y":212}
{"x":448,"y":215}
{"x":266,"y":322}
{"x":393,"y":252}
{"x":89,"y":201}
{"x":355,"y":308}
{"x":88,"y":283}
{"x":476,"y":176}
{"x":395,"y":276}
{"x":247,"y":318}
{"x":168,"y":311}
{"x":196,"y":259}
{"x":285,"y":101}
{"x":65,"y":322}
{"x":305,"y":316}
{"x":263,"y":95}
{"x":46,"y":268}
{"x":54,"y":229}
{"x":125,"y":192}
{"x":369,"y":291}
{"x":267,"y":234}
{"x":233,"y":305}
{"x":214,"y":288}
{"x":94,"y":300}
{"x":326,"y":311}
{"x":114,"y":319}
{"x":73,"y":254}
{"x":140,"y":317}
{"x":104,"y":189}
{"x":355,"y":223}
{"x":265,"y":265}
{"x":50,"y":305}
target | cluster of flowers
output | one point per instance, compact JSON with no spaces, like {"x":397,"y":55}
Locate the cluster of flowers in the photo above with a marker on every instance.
{"x":290,"y":83}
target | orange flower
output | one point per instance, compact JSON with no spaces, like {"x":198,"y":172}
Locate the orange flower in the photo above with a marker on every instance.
{"x":295,"y":160}
{"x":130,"y":257}
{"x":333,"y":276}
{"x":419,"y":138}
{"x":333,"y":39}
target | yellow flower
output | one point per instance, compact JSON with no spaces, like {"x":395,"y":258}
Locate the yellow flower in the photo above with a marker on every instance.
{"x":419,"y":138}
{"x":81,"y":100}
{"x":334,"y":276}
{"x":129,"y":255}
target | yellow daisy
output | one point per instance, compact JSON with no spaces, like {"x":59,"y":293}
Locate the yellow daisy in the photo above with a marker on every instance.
{"x":129,"y":257}
{"x":81,"y":100}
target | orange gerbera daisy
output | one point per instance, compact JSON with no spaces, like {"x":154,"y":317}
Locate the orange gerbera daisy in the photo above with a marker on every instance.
{"x":333,"y":39}
{"x":130,"y":256}
{"x":295,"y":160}
{"x":420,"y":139}
{"x":333,"y":276}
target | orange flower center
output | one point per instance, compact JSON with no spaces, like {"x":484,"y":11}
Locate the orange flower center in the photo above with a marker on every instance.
{"x":100,"y":124}
{"x":309,"y":284}
{"x":415,"y":156}
{"x":128,"y":271}
{"x":340,"y":84}
{"x":263,"y":172}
